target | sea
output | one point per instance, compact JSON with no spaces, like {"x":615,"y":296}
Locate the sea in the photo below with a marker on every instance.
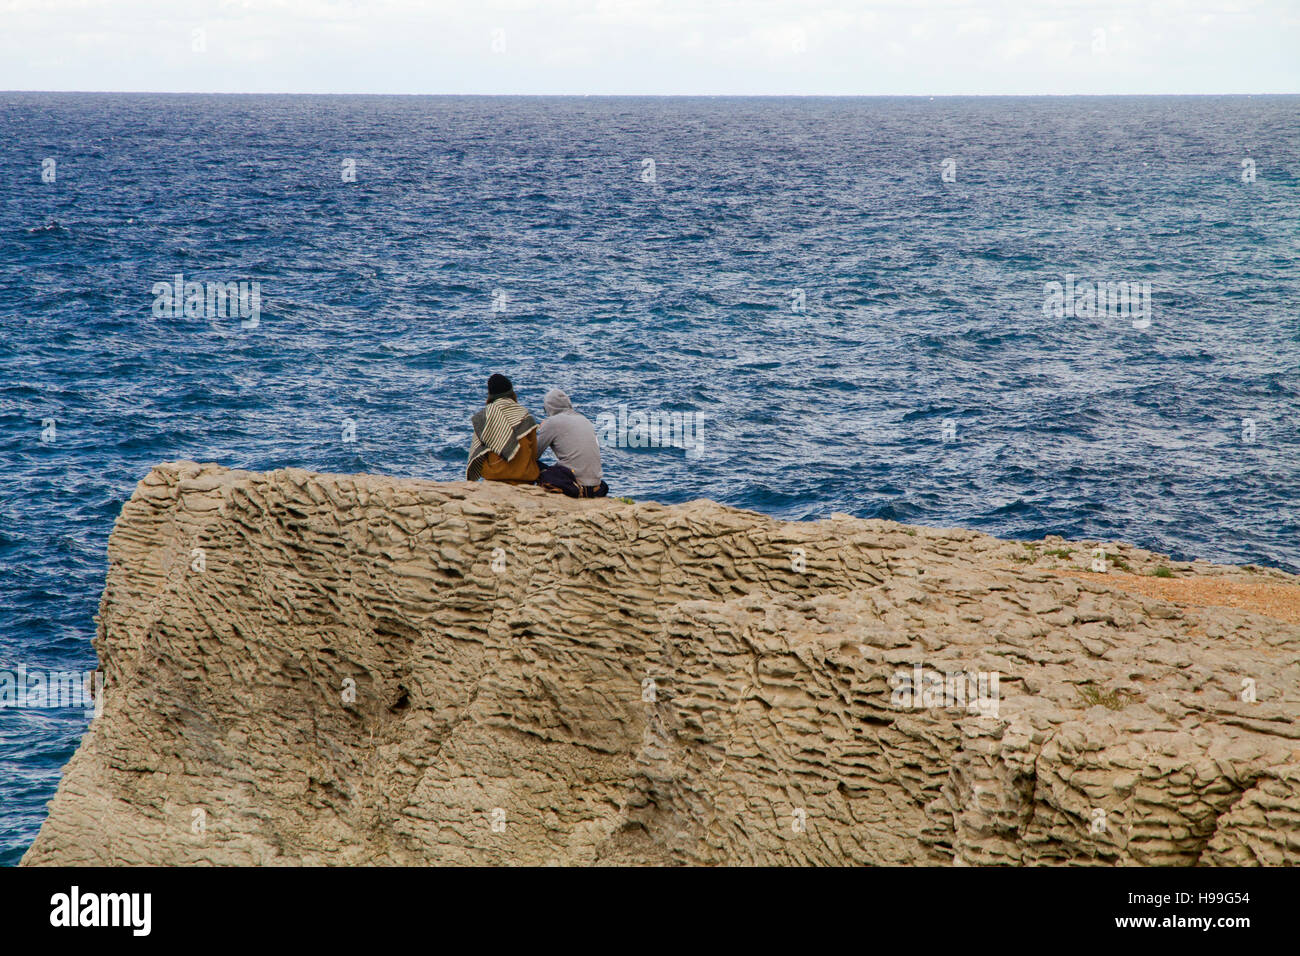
{"x":1029,"y":316}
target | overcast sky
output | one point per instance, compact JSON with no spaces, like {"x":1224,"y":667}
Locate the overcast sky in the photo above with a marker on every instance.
{"x":652,"y":46}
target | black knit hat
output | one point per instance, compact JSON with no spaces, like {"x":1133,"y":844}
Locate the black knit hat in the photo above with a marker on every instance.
{"x":499,"y":385}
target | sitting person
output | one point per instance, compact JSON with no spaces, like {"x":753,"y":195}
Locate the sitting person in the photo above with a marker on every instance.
{"x":577,"y":452}
{"x":505,"y":438}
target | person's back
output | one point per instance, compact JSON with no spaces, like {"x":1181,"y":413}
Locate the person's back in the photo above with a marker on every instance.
{"x":521,"y":470}
{"x":573,"y":440}
{"x":505,"y":438}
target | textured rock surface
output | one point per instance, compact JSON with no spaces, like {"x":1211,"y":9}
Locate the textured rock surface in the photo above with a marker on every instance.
{"x":539,"y":680}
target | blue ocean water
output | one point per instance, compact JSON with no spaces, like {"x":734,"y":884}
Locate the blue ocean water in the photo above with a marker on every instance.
{"x":922,"y":302}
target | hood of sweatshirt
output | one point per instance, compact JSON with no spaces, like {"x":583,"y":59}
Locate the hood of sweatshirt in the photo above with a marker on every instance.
{"x":556,"y":402}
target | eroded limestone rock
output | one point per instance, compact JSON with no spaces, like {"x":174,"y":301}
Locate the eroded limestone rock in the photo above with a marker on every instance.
{"x":373,"y":670}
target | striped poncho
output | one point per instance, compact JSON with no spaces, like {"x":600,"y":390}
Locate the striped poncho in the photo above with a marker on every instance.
{"x":498,"y":427}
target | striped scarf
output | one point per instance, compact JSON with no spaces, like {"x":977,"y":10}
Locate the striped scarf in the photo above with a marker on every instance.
{"x":497,"y":428}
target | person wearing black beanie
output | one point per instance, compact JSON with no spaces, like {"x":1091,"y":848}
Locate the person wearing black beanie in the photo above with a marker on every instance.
{"x":500,"y":387}
{"x":505,"y":438}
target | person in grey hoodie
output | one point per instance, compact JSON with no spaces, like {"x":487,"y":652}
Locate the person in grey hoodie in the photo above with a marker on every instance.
{"x":577,"y":452}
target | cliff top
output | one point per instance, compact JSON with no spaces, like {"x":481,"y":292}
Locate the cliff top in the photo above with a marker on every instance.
{"x":310,"y":668}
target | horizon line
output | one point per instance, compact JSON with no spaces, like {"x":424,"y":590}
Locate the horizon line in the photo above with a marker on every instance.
{"x":846,"y":96}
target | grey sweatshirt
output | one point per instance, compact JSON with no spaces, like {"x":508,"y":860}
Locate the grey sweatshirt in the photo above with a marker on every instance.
{"x":571,"y":437}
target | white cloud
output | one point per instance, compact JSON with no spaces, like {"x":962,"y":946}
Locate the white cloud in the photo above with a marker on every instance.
{"x":653,"y":46}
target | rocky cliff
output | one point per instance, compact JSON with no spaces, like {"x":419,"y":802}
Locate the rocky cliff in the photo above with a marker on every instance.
{"x":330,"y":669}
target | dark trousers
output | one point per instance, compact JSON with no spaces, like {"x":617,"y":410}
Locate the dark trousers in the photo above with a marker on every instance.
{"x":563,"y":479}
